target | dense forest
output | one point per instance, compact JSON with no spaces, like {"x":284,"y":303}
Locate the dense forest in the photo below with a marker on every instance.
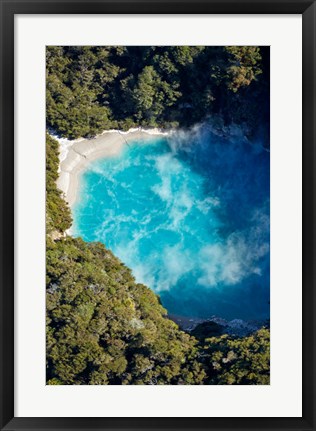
{"x":91,"y":89}
{"x":102,"y":326}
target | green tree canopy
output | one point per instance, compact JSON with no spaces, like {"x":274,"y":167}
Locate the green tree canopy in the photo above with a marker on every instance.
{"x":91,"y":89}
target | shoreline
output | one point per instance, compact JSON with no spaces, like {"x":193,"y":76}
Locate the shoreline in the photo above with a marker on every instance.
{"x":235,"y":326}
{"x":75,"y":156}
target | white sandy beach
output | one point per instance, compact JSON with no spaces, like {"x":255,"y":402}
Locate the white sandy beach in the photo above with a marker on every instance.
{"x":76,"y":155}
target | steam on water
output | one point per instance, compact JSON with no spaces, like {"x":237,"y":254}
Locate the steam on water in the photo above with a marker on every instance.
{"x":189,"y":214}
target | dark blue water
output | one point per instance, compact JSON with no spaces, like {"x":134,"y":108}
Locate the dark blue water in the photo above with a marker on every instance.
{"x":189,"y":214}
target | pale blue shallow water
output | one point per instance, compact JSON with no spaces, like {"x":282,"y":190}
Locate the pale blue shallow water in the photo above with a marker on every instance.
{"x":190,"y":216}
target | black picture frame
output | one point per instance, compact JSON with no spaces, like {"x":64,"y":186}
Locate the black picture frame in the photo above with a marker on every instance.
{"x":8,"y":11}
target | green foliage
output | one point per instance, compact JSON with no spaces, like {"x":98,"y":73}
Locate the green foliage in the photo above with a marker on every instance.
{"x":58,"y":217}
{"x":244,"y":66}
{"x":91,"y":89}
{"x":75,"y":78}
{"x":151,"y":95}
{"x":238,"y":361}
{"x":103,"y":328}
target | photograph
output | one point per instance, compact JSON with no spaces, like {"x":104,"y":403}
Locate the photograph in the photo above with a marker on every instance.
{"x":157,"y":215}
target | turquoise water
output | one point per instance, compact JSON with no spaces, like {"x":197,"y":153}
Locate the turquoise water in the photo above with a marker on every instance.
{"x":189,"y":214}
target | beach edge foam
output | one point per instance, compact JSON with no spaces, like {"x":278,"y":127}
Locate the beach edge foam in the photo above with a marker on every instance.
{"x":75,"y":156}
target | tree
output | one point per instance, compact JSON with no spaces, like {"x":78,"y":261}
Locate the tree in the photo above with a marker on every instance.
{"x":151,"y":95}
{"x":244,"y":66}
{"x":103,"y":328}
{"x":58,"y":217}
{"x":238,"y":361}
{"x":93,"y":88}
